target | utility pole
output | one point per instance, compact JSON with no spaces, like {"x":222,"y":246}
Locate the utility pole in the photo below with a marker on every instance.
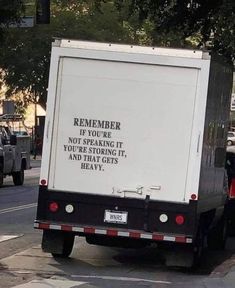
{"x":35,"y":125}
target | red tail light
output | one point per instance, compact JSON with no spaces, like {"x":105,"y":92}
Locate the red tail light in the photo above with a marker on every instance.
{"x":232,"y":189}
{"x":194,"y":197}
{"x":53,"y":207}
{"x":43,"y":182}
{"x":179,"y":219}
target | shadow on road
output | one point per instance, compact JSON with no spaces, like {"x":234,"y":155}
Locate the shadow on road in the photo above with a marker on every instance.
{"x":148,"y":259}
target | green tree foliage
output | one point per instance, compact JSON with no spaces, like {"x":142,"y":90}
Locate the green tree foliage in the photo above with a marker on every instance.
{"x":25,"y":64}
{"x":25,"y":56}
{"x":224,"y":29}
{"x":189,"y":22}
{"x":10,"y":12}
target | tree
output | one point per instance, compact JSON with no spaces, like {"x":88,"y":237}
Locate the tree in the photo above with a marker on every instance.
{"x":224,"y":29}
{"x":26,"y":55}
{"x":25,"y":64}
{"x":10,"y":12}
{"x":189,"y":22}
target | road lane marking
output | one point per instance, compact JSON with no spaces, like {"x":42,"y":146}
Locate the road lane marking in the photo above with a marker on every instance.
{"x":9,"y":237}
{"x":130,"y":279}
{"x":46,"y":283}
{"x":17,"y":208}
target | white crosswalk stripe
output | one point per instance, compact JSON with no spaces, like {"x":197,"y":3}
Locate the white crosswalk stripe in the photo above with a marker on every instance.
{"x":9,"y":237}
{"x":45,"y":283}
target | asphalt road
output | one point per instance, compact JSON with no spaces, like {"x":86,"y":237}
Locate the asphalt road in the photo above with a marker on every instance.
{"x":22,"y":261}
{"x":17,"y":213}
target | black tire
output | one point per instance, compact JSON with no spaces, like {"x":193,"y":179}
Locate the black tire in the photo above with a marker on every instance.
{"x":67,"y":247}
{"x":58,"y":243}
{"x":217,"y":236}
{"x":18,"y":177}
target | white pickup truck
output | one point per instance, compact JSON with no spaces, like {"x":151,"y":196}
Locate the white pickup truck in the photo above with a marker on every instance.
{"x":14,"y":150}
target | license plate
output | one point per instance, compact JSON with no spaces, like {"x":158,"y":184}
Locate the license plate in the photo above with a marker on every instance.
{"x":118,"y":217}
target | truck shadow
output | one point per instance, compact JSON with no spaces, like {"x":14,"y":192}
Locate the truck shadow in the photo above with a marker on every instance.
{"x":119,"y":261}
{"x":217,"y":262}
{"x":212,"y":262}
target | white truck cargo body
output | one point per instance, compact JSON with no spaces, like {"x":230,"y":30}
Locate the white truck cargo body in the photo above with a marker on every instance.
{"x":134,"y":144}
{"x":123,"y":128}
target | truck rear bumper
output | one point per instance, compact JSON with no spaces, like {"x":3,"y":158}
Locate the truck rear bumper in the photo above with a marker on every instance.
{"x":143,"y":220}
{"x":86,"y":230}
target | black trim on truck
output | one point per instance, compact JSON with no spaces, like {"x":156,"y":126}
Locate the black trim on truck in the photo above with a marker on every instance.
{"x":143,"y":215}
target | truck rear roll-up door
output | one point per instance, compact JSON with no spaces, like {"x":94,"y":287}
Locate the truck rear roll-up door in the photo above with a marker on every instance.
{"x":123,"y":129}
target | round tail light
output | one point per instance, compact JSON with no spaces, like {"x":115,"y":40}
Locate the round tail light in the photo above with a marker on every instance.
{"x":43,"y":182}
{"x":179,"y":219}
{"x":53,"y":207}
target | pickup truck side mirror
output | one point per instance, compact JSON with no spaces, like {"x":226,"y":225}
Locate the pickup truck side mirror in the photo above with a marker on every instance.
{"x":13,"y":140}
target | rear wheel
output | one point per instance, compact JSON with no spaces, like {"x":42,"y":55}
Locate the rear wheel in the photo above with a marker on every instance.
{"x":179,"y":256}
{"x":18,"y":177}
{"x":58,"y":243}
{"x":67,"y":247}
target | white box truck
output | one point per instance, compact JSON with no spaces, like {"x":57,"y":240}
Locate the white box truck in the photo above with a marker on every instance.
{"x":134,"y":149}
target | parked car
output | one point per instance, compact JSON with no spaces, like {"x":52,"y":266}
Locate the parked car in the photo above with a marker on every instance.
{"x":231,"y":138}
